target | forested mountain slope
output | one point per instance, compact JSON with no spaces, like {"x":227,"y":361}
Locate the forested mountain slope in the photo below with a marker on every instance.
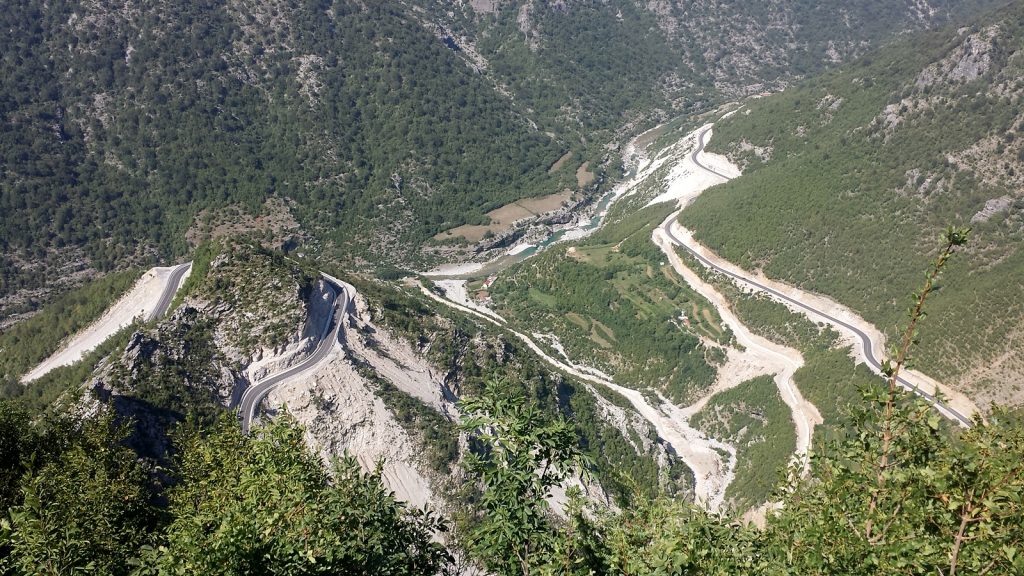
{"x":372,"y":126}
{"x":247,"y":313}
{"x":850,"y":177}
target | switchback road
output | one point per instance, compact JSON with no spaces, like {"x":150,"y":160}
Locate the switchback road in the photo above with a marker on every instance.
{"x":255,"y":393}
{"x":173,"y":282}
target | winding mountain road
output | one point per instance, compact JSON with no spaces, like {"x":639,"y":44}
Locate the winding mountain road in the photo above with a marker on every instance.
{"x":148,"y":299}
{"x":256,"y":392}
{"x":173,"y":283}
{"x":866,"y":342}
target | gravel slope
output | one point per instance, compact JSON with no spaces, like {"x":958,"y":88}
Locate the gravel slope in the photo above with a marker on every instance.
{"x":142,"y":301}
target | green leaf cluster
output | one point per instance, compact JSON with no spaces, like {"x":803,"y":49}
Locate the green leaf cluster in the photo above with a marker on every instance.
{"x":230,"y":504}
{"x":523,"y":456}
{"x":949,"y":504}
{"x":266,"y":504}
{"x":83,"y":502}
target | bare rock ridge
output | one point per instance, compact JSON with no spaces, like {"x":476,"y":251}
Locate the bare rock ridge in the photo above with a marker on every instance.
{"x":967,"y":62}
{"x":251,"y":312}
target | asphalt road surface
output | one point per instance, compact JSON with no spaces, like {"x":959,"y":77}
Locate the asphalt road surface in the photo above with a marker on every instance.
{"x":255,"y":393}
{"x":865,"y":340}
{"x":169,"y":291}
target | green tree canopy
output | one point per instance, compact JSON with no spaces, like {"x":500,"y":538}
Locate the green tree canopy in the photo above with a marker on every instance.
{"x":265,"y":504}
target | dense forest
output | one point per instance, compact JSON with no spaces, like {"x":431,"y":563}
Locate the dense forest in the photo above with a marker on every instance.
{"x":381,"y":124}
{"x":150,"y":130}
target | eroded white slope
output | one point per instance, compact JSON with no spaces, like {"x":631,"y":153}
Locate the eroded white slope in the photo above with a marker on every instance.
{"x":341,"y":414}
{"x":760,"y":355}
{"x":686,"y":178}
{"x":337,"y":404}
{"x":138,"y":303}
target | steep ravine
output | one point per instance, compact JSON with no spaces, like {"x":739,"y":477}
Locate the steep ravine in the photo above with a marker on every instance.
{"x":712,"y":471}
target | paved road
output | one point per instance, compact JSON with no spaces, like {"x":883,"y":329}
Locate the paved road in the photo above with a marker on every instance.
{"x":865,"y":340}
{"x":699,"y":149}
{"x":255,"y":393}
{"x":169,"y":291}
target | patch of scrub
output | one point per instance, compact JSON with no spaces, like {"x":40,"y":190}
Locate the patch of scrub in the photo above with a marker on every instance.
{"x":560,"y":162}
{"x":752,"y":418}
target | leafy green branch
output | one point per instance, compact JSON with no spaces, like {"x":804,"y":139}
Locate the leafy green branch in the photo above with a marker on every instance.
{"x":522,"y":457}
{"x":952,"y":238}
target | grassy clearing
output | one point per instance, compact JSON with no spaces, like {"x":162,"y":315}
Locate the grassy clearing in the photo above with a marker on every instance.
{"x":578,"y":320}
{"x":501,"y":219}
{"x":560,"y":162}
{"x":546,"y":300}
{"x":547,"y":203}
{"x":606,"y":331}
{"x":584,"y":177}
